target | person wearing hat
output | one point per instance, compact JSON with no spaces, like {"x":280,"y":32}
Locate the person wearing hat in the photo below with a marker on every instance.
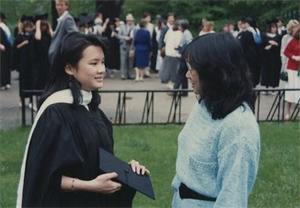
{"x":271,"y":62}
{"x":251,"y":50}
{"x":42,"y":41}
{"x":65,"y":24}
{"x":125,"y":38}
{"x":5,"y":53}
{"x":24,"y":49}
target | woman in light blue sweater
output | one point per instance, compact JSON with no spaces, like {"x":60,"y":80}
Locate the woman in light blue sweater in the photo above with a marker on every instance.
{"x":219,"y":146}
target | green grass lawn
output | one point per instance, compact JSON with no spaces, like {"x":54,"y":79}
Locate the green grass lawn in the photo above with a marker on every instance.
{"x":277,"y":185}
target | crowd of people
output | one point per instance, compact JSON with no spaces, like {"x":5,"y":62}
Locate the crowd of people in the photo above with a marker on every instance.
{"x":148,"y":47}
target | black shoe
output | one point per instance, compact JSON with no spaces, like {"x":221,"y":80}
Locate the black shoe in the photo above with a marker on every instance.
{"x":184,"y":94}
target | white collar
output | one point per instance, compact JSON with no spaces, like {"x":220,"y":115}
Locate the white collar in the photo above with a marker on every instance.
{"x":63,"y":15}
{"x":86,"y":98}
{"x":271,"y":35}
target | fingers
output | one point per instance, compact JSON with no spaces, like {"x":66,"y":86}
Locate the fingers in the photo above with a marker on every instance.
{"x":137,"y":168}
{"x":109,"y":176}
{"x":113,"y":190}
{"x":116,"y":185}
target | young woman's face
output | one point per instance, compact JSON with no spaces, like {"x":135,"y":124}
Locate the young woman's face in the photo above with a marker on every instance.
{"x":90,"y":70}
{"x":273,"y":29}
{"x":193,"y":76}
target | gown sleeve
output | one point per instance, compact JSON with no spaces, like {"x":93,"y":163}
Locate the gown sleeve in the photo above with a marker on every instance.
{"x":52,"y":152}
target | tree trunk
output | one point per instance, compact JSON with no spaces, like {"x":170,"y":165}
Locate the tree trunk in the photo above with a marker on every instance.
{"x":54,"y":14}
{"x":109,"y":8}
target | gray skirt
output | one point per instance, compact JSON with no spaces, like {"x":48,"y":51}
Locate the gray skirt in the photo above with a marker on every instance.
{"x":169,"y":69}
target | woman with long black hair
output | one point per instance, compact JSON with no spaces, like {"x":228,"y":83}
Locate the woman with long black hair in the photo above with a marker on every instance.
{"x":219,"y":146}
{"x":60,"y":164}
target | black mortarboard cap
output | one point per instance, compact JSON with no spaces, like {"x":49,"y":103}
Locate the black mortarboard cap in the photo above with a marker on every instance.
{"x":2,"y":16}
{"x":41,"y":17}
{"x":27,"y":18}
{"x":110,"y":163}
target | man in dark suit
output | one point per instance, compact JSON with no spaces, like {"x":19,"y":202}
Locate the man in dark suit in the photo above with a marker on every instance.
{"x":65,"y":24}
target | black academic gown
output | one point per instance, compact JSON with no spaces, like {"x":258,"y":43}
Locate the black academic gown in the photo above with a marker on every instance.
{"x":113,"y":58}
{"x":25,"y":62}
{"x":41,"y":65}
{"x":5,"y":60}
{"x":271,"y":62}
{"x":65,"y":142}
{"x":252,"y":55}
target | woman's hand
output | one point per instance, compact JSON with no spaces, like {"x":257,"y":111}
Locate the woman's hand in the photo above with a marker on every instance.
{"x":296,"y":58}
{"x":272,"y":42}
{"x":38,"y":24}
{"x":103,"y":184}
{"x":138,"y":168}
{"x":25,"y":42}
{"x":2,"y":47}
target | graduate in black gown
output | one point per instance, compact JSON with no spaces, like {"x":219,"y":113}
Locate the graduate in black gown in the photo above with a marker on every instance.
{"x":25,"y":50}
{"x":42,"y":40}
{"x":251,"y":51}
{"x":113,"y":59}
{"x":5,"y":54}
{"x":60,"y":166}
{"x":271,"y":57}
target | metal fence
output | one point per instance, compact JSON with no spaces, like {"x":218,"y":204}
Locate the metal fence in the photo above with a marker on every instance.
{"x":154,"y":107}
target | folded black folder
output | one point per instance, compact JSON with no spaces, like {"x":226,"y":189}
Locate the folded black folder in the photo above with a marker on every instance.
{"x":110,"y":163}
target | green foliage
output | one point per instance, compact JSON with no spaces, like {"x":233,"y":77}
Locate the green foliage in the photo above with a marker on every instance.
{"x":221,"y":12}
{"x":14,"y":9}
{"x":277,"y":184}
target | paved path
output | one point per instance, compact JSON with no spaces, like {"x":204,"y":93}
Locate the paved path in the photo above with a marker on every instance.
{"x":10,"y":110}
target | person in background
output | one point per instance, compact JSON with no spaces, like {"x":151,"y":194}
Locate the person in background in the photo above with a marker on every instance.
{"x":181,"y":80}
{"x":65,"y":25}
{"x":42,"y":40}
{"x":285,"y":41}
{"x":142,"y":47}
{"x":154,"y":45}
{"x":67,"y":133}
{"x":280,"y":27}
{"x":112,"y":59}
{"x":219,"y":146}
{"x":292,"y":52}
{"x":164,"y":30}
{"x":271,"y":62}
{"x":232,"y":30}
{"x":208,"y":27}
{"x":158,"y":28}
{"x":25,"y":48}
{"x":5,"y":54}
{"x":252,"y":27}
{"x":125,"y":38}
{"x":250,"y":49}
{"x":99,"y":27}
{"x":171,"y":61}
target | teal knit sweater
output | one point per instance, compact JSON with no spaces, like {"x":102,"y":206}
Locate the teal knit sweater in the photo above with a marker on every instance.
{"x":217,"y":158}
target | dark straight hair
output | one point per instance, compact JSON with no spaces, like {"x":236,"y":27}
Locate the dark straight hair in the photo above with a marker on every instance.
{"x":70,"y":52}
{"x":225,"y":82}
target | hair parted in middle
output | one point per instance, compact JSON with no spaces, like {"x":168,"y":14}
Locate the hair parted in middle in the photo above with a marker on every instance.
{"x":225,"y":82}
